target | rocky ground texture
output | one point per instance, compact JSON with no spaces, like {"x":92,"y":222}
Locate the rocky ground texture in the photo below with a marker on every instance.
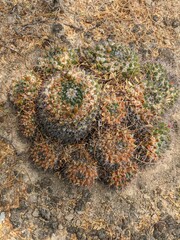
{"x":37,"y":205}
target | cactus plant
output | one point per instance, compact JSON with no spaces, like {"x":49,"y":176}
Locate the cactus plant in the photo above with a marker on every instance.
{"x":68,"y":105}
{"x":158,"y":91}
{"x":81,"y":169}
{"x":113,"y":146}
{"x":23,"y":96}
{"x":43,"y":153}
{"x":113,"y":60}
{"x":58,"y":59}
{"x":112,"y":106}
{"x":118,"y":178}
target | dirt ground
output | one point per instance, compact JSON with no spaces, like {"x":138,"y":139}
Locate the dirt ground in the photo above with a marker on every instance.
{"x":38,"y":205}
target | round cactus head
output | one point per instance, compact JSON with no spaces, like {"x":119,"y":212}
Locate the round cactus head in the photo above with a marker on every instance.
{"x":68,"y":105}
{"x":115,"y":60}
{"x":112,"y":106}
{"x":113,"y":146}
{"x":23,"y":96}
{"x":81,"y":169}
{"x":158,"y":91}
{"x":58,"y":59}
{"x":121,"y":176}
{"x":43,"y":153}
{"x":81,"y":174}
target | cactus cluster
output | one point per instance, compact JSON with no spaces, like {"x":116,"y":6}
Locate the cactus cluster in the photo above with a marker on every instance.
{"x":93,"y":113}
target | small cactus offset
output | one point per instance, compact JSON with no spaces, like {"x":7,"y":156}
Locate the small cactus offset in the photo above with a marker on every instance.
{"x":159,"y":93}
{"x":94,"y":113}
{"x":58,"y":59}
{"x":113,"y":60}
{"x":113,"y":108}
{"x":23,"y":96}
{"x":80,"y":169}
{"x":113,"y":146}
{"x":118,"y":178}
{"x":43,"y":153}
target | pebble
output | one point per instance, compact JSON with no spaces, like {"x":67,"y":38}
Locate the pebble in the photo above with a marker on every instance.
{"x":53,"y":224}
{"x":61,"y":227}
{"x":159,"y":226}
{"x":56,"y":28}
{"x":2,"y":217}
{"x":1,"y":119}
{"x":69,"y":217}
{"x":142,"y":237}
{"x":72,"y":229}
{"x":78,"y":223}
{"x":80,"y":212}
{"x":22,"y":205}
{"x":35,"y":213}
{"x":30,"y":188}
{"x":102,"y":234}
{"x":175,"y":23}
{"x":45,"y":182}
{"x":44,"y":213}
{"x":136,"y":28}
{"x":155,"y":18}
{"x":33,"y":198}
{"x":15,"y":218}
{"x":148,"y":2}
{"x":160,"y":205}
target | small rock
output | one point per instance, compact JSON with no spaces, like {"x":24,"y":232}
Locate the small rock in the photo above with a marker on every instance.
{"x":159,"y":236}
{"x":65,"y":40}
{"x":44,"y":213}
{"x":167,"y":21}
{"x":93,"y":233}
{"x":72,"y":229}
{"x":60,"y":227}
{"x":155,"y":18}
{"x":33,"y":198}
{"x":80,"y":234}
{"x":45,"y":182}
{"x":160,"y":205}
{"x":22,"y":205}
{"x":53,"y":224}
{"x":1,"y":119}
{"x":175,"y":126}
{"x":80,"y":205}
{"x":136,"y":28}
{"x":148,"y":2}
{"x":88,"y":34}
{"x":69,"y":217}
{"x":142,"y":237}
{"x":86,"y":195}
{"x":30,"y":188}
{"x":102,"y":234}
{"x":175,"y":23}
{"x":15,"y":218}
{"x":178,"y":165}
{"x":2,"y":217}
{"x":166,"y":54}
{"x":57,"y":28}
{"x":160,"y":226}
{"x":35,"y":213}
{"x":170,"y":222}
